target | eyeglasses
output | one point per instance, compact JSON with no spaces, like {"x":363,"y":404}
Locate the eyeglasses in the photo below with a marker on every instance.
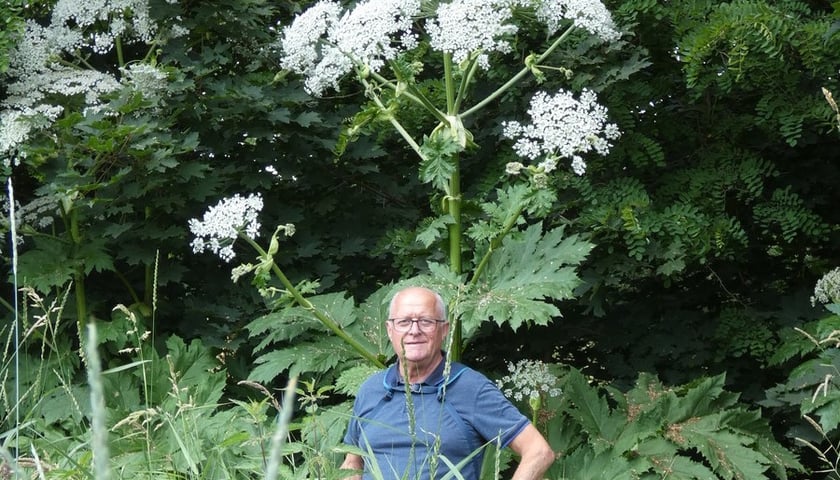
{"x":424,"y":324}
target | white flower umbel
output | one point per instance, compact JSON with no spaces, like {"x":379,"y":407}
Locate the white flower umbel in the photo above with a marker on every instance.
{"x":40,"y":74}
{"x":462,"y":27}
{"x":590,"y":15}
{"x":529,"y":379}
{"x":562,"y":127}
{"x":146,"y":79}
{"x":125,"y":18}
{"x":465,"y":27}
{"x":325,"y":44}
{"x":223,"y":222}
{"x":827,"y":289}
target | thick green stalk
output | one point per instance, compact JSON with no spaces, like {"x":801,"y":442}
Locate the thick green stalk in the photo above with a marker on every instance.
{"x":455,"y":238}
{"x":306,"y":304}
{"x":465,"y":83}
{"x":453,"y":203}
{"x":450,"y":84}
{"x":79,"y":274}
{"x":118,"y":48}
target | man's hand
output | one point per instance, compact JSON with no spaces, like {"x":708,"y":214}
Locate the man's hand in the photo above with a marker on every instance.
{"x":353,"y":462}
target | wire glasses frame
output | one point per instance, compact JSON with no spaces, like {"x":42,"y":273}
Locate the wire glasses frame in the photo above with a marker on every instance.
{"x":424,"y":324}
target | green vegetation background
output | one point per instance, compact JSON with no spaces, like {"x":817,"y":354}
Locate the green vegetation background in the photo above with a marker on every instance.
{"x":710,"y":222}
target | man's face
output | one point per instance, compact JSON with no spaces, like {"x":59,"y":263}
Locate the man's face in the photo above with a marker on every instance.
{"x":416,"y":345}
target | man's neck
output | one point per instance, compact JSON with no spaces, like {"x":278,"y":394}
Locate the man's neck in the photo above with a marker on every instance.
{"x":417,"y":372}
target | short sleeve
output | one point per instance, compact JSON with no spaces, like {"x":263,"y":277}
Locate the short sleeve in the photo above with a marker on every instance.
{"x":492,"y":415}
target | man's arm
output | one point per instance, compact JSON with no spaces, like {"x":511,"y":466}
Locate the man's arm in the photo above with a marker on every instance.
{"x":353,"y":462}
{"x":535,"y":454}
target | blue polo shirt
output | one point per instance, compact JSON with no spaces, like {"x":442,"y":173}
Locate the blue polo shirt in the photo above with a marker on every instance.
{"x":454,"y":418}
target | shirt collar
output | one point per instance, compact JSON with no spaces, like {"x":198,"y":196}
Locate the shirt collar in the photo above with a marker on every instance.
{"x":435,"y":378}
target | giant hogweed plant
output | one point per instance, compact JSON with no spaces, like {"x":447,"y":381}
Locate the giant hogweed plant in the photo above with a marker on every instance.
{"x":650,"y":431}
{"x":501,"y":266}
{"x":83,"y":119}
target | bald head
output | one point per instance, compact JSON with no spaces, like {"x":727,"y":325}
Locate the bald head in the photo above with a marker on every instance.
{"x":440,"y":305}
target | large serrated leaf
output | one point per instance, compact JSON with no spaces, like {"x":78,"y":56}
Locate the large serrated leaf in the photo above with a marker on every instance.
{"x":525,"y":276}
{"x":730,"y":454}
{"x":592,"y":410}
{"x":310,"y":357}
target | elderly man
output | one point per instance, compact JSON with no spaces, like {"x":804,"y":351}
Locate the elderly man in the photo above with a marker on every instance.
{"x":416,"y":413}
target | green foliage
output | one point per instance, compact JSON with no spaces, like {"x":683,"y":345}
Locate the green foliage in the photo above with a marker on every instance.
{"x":785,"y":216}
{"x":694,"y":431}
{"x":11,"y":25}
{"x":527,"y":270}
{"x":812,"y":384}
{"x":744,"y":333}
{"x":164,"y":413}
{"x":299,"y":343}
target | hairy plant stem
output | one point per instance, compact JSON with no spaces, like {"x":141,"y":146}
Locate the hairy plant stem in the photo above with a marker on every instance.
{"x":465,"y":83}
{"x":119,"y":49}
{"x":516,"y":78}
{"x":453,"y":204}
{"x":396,"y":123}
{"x":306,"y":304}
{"x":79,"y":271}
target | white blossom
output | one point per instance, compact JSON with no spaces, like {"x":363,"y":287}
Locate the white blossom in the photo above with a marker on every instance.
{"x":16,"y":126}
{"x":548,"y":165}
{"x":223,"y":222}
{"x":325,"y":44}
{"x":529,"y":379}
{"x":590,"y":15}
{"x":125,"y":18}
{"x":462,"y":27}
{"x":563,"y":127}
{"x":40,"y":213}
{"x":38,"y":80}
{"x":827,"y":289}
{"x":146,"y":79}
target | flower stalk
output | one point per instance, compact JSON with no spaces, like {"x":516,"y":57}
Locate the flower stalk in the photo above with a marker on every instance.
{"x":307,"y":305}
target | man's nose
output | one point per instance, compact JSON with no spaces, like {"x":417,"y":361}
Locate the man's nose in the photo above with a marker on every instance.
{"x":414,"y":324}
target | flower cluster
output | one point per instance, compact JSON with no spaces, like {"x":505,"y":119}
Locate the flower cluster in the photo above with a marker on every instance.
{"x":325,"y":44}
{"x":462,"y":27}
{"x":39,"y":77}
{"x":590,"y":15}
{"x":827,"y":289}
{"x":146,"y":79}
{"x":136,"y":25}
{"x":223,"y":223}
{"x":529,"y":379}
{"x":562,"y":127}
